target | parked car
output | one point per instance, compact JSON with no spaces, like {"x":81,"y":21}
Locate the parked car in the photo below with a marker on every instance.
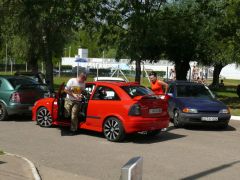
{"x":18,"y":94}
{"x":39,"y":77}
{"x":113,"y":108}
{"x":194,"y":103}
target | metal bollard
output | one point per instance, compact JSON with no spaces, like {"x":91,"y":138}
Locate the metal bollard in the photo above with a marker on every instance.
{"x":132,"y":170}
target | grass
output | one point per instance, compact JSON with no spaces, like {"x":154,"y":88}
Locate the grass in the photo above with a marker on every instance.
{"x":1,"y":152}
{"x":227,"y":95}
{"x":231,"y":99}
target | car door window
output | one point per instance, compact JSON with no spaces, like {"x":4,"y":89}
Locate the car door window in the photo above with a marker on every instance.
{"x":89,"y":88}
{"x":105,"y":93}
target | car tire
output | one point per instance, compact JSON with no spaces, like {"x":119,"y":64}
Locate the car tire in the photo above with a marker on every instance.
{"x":44,"y":118}
{"x":153,"y":133}
{"x":113,"y":129}
{"x":223,"y":126}
{"x":176,"y":122}
{"x":3,"y":112}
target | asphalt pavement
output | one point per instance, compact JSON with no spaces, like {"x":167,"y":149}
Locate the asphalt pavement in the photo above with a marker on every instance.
{"x":190,"y":153}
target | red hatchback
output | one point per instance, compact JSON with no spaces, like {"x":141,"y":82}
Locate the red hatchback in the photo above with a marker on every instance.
{"x":114,"y":108}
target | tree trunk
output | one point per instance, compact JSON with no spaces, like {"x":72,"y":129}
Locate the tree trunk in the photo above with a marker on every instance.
{"x":216,"y":73}
{"x":138,"y":71}
{"x":33,"y":64}
{"x":32,"y":58}
{"x":48,"y":64}
{"x":181,"y":68}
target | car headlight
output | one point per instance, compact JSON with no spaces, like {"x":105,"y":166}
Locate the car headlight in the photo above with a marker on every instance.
{"x":189,"y":110}
{"x":224,"y":111}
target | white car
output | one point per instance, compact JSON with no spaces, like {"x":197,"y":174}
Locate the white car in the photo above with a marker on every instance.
{"x":115,"y":79}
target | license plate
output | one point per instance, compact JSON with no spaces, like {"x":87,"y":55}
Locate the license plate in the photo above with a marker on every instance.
{"x":30,"y":108}
{"x":155,"y":111}
{"x":209,"y":118}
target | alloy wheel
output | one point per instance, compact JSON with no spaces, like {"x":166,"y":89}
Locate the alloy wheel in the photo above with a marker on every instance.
{"x":113,"y":130}
{"x":44,"y":118}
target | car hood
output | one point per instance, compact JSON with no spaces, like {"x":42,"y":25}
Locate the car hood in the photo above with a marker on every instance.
{"x":202,"y":104}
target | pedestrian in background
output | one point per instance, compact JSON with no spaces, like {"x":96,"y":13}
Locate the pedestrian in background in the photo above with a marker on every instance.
{"x":157,"y":85}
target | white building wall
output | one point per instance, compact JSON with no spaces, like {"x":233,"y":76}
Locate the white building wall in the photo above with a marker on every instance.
{"x":230,"y":71}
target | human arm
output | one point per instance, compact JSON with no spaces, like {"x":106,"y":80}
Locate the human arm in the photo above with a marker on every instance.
{"x":165,"y":85}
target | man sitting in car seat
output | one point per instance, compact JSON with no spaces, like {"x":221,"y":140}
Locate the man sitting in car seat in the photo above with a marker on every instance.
{"x":102,"y":93}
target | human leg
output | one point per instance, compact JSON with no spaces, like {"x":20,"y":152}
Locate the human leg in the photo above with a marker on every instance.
{"x":74,"y":116}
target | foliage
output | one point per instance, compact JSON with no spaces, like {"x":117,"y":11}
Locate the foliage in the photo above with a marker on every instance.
{"x":131,"y":27}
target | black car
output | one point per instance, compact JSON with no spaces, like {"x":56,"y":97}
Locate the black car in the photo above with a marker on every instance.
{"x":38,"y":76}
{"x":194,"y":103}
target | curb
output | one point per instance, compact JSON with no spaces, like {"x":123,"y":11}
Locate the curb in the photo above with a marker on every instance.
{"x":235,"y":118}
{"x":32,"y":166}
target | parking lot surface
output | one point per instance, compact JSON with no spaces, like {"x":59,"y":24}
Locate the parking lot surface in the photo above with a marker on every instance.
{"x":190,"y":153}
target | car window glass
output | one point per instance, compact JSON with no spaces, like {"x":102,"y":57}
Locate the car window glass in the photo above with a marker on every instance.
{"x":17,"y":82}
{"x":105,"y":93}
{"x":134,"y":91}
{"x":193,"y":91}
{"x":0,"y":84}
{"x":89,"y":88}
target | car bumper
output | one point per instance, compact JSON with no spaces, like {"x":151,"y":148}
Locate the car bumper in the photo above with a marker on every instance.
{"x":136,"y":124}
{"x":19,"y":109}
{"x":186,"y":118}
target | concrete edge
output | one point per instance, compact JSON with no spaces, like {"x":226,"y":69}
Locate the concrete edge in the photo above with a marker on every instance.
{"x":235,"y":118}
{"x":32,"y":166}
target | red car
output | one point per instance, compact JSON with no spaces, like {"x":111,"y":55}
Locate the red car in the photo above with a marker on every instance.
{"x":114,"y":108}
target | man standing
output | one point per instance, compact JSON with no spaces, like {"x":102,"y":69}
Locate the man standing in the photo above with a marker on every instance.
{"x":156,"y":84}
{"x":73,"y":104}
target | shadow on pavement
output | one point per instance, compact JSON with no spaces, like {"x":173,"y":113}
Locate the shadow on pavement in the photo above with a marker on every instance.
{"x":144,"y":139}
{"x":208,"y":128}
{"x":210,"y":171}
{"x":19,"y":118}
{"x":65,"y":131}
{"x":130,"y":138}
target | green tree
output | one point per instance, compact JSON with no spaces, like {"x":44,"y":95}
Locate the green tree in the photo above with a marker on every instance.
{"x":131,"y":27}
{"x":181,"y":21}
{"x":221,"y":35}
{"x":46,"y":25}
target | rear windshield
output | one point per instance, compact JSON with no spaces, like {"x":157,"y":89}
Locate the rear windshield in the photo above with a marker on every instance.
{"x":193,"y":91}
{"x":134,"y":91}
{"x":22,"y":82}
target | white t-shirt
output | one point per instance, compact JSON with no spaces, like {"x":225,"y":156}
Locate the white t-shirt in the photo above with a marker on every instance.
{"x":74,"y":86}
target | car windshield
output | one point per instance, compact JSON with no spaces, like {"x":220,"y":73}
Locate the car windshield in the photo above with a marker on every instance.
{"x":134,"y":91}
{"x":196,"y":91}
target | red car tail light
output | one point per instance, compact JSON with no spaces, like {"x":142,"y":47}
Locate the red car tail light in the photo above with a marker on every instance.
{"x":135,"y":110}
{"x":15,"y":98}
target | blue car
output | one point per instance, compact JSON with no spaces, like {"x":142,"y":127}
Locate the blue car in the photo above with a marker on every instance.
{"x":194,"y":103}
